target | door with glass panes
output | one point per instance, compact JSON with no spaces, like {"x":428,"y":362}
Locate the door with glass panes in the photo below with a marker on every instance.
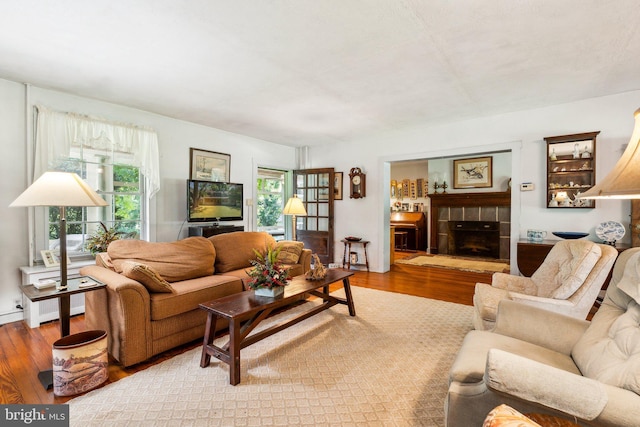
{"x":315,"y":188}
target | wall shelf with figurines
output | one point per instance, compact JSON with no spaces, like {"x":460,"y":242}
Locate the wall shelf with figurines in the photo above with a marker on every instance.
{"x":571,"y":169}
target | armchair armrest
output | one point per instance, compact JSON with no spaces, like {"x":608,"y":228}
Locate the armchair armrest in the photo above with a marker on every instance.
{"x":538,"y":326}
{"x":544,"y":385}
{"x":513,"y":283}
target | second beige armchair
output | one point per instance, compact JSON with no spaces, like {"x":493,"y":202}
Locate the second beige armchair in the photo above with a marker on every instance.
{"x":568,"y":282}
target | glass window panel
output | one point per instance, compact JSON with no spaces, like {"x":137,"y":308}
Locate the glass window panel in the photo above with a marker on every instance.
{"x":312,"y":209}
{"x":324,"y":180}
{"x":312,"y":223}
{"x":312,"y":180}
{"x":300,"y":181}
{"x":323,"y":209}
{"x":311,"y":195}
{"x":323,"y":224}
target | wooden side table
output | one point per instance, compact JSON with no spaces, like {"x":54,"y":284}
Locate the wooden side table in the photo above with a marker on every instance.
{"x":346,"y":260}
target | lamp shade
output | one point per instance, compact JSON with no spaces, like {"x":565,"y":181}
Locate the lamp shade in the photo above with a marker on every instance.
{"x":59,"y":189}
{"x":623,"y":182}
{"x":294,"y":206}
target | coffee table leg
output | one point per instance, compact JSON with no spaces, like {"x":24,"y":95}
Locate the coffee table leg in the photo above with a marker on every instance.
{"x":234,"y":352}
{"x":347,"y":293}
{"x":209,"y":335}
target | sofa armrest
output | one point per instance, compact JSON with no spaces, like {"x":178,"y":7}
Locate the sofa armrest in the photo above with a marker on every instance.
{"x":544,"y":385}
{"x":537,"y":326}
{"x":123,"y":309}
{"x":305,"y":260}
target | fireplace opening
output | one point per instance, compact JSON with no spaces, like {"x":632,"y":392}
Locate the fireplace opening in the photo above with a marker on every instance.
{"x":474,"y":239}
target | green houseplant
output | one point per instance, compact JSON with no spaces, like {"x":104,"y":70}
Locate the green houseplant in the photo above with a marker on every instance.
{"x":100,"y":239}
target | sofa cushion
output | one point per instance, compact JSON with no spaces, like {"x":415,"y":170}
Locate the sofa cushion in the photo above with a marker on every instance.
{"x":190,"y":293}
{"x":147,"y":276}
{"x":185,"y":259}
{"x":235,"y":250}
{"x":566,"y":267}
{"x":289,"y":251}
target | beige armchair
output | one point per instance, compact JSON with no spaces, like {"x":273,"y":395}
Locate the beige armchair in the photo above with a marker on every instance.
{"x":567,"y":282}
{"x":538,"y":361}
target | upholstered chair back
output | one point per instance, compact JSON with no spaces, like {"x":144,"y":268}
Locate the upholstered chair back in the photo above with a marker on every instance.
{"x":565,"y":268}
{"x":609,"y":351}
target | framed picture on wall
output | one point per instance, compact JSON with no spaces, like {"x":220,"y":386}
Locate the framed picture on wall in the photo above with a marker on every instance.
{"x":473,"y":173}
{"x":209,"y":166}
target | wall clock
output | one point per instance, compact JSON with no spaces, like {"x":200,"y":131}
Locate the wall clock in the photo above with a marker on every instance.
{"x":357,"y":183}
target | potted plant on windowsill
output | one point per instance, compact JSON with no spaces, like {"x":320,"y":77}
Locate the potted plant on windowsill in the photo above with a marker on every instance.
{"x":268,"y":276}
{"x":100,"y":239}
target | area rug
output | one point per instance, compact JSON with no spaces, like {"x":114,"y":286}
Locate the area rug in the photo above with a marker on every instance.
{"x":456,"y":263}
{"x":387,"y":366}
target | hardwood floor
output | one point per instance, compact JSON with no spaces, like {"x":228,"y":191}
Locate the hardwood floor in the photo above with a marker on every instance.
{"x":25,"y":351}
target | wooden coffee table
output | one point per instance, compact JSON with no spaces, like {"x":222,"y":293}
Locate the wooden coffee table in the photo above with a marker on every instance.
{"x":245,"y":311}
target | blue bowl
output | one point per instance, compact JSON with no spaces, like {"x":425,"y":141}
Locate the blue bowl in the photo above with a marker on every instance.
{"x":569,"y":234}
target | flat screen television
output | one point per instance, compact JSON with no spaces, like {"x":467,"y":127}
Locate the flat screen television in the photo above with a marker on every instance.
{"x":214,"y":201}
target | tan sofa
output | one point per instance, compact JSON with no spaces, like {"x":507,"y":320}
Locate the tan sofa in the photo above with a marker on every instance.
{"x":150,"y":303}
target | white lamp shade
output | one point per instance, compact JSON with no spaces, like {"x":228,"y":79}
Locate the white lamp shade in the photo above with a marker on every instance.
{"x":294,"y":206}
{"x":623,"y":182}
{"x":59,"y":189}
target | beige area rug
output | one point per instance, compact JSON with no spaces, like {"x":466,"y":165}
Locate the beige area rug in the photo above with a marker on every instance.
{"x":456,"y":263}
{"x":387,"y":366}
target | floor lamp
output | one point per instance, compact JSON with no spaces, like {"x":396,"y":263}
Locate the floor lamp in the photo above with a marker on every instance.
{"x":294,"y":207}
{"x":61,"y":189}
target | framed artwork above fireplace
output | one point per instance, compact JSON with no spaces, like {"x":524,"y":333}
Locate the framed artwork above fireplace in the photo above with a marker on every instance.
{"x":476,"y":172}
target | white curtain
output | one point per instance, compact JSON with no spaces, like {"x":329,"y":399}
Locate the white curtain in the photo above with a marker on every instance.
{"x":57,"y":132}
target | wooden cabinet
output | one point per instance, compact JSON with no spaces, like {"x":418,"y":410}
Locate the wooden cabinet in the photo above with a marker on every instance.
{"x":571,"y":169}
{"x":212,"y":230}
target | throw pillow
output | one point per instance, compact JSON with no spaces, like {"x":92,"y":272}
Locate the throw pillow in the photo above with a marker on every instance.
{"x":147,"y":276}
{"x":289,"y":251}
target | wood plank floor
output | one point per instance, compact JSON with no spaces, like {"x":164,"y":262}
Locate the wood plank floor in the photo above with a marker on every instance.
{"x":24,"y":351}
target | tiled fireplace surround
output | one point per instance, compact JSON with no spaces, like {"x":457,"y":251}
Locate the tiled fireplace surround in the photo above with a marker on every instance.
{"x":469,"y":207}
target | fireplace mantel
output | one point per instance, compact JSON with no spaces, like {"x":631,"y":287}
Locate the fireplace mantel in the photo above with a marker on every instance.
{"x":462,"y":200}
{"x":470,"y":199}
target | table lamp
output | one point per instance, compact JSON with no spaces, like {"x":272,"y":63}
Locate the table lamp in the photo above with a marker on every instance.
{"x":294,"y":207}
{"x":623,"y":182}
{"x":61,"y":189}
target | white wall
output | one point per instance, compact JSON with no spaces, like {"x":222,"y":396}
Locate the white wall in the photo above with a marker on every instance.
{"x":168,"y":207}
{"x":521,"y":132}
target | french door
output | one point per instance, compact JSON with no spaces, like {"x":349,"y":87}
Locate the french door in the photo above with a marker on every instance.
{"x":316,"y":190}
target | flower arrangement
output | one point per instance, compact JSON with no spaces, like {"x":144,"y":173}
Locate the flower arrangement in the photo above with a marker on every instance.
{"x":267,"y":272}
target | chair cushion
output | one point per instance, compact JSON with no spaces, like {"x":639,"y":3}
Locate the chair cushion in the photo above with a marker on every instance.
{"x":174,"y":261}
{"x":289,"y":251}
{"x":147,"y":276}
{"x":609,"y":351}
{"x":235,"y":250}
{"x":565,"y":268}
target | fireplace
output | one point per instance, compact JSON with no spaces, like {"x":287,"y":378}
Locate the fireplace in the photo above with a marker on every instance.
{"x":470,"y":207}
{"x":474,"y":238}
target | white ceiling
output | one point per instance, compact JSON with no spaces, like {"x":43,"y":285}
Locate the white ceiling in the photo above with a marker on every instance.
{"x":308,"y":72}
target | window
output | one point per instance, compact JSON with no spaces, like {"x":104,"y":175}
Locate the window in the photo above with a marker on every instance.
{"x":271,"y":199}
{"x":120,"y":161}
{"x":120,"y":184}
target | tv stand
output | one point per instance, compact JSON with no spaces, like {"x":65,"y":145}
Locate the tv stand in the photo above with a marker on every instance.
{"x":212,"y":230}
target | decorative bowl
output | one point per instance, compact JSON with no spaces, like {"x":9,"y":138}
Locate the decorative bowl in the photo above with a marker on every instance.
{"x":569,"y":234}
{"x":353,"y":239}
